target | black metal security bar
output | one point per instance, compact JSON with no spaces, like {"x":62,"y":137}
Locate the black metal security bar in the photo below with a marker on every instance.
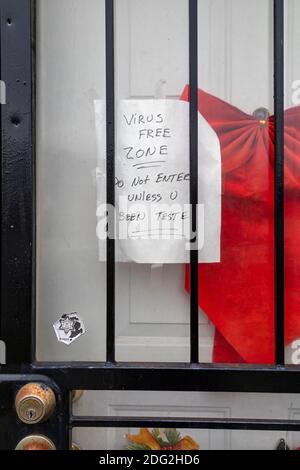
{"x":110,"y":177}
{"x":279,"y":178}
{"x":194,"y":258}
{"x":172,"y":377}
{"x":17,"y":173}
{"x":186,"y":423}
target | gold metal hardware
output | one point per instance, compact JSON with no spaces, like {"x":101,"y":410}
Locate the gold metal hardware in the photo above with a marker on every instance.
{"x":262,"y":115}
{"x":36,"y":442}
{"x":35,"y":403}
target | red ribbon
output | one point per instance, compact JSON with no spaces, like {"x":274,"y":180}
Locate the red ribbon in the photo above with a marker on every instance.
{"x":237,"y":294}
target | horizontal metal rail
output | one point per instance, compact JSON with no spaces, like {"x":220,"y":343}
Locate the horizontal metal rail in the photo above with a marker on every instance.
{"x":169,"y":377}
{"x":186,"y":423}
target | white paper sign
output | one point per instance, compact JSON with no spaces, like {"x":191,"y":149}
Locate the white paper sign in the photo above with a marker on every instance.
{"x":153,"y":216}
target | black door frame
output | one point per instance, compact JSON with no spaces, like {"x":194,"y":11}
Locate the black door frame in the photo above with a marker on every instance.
{"x":17,"y":323}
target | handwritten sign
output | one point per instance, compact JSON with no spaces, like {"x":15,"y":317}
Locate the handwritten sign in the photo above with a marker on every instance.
{"x":153,"y":216}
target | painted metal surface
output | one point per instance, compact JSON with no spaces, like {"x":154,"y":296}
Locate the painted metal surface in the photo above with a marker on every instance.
{"x":18,"y":262}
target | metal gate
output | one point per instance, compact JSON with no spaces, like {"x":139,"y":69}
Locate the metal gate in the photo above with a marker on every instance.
{"x":18,"y":260}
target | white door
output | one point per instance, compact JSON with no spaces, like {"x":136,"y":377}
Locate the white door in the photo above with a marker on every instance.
{"x":152,"y":306}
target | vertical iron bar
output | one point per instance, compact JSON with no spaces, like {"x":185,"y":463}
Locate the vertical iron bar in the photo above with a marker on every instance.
{"x":279,"y":177}
{"x":193,"y":54}
{"x":34,"y":177}
{"x":110,"y":169}
{"x":17,"y":170}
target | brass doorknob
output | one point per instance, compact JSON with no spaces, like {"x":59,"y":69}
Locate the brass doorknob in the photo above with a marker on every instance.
{"x":36,"y":442}
{"x":35,"y":403}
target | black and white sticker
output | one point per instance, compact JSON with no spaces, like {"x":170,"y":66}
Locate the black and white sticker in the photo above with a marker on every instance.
{"x":69,"y":327}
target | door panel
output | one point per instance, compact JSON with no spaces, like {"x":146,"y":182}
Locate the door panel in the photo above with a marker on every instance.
{"x":70,"y":76}
{"x":211,"y":405}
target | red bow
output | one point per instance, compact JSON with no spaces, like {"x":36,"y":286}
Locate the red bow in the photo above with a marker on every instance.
{"x":237,"y":294}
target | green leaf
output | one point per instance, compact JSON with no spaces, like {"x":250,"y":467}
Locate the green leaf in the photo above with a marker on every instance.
{"x":158,"y":438}
{"x":173,"y":436}
{"x":134,"y":446}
